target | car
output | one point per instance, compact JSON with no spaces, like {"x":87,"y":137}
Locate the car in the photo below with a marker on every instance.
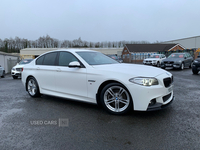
{"x":2,"y":72}
{"x":196,"y":65}
{"x":178,"y":61}
{"x":17,"y":69}
{"x":116,"y":58}
{"x":154,"y":60}
{"x":90,"y":76}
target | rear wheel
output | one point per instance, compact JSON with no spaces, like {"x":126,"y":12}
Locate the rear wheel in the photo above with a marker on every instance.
{"x":32,"y":87}
{"x":116,"y":99}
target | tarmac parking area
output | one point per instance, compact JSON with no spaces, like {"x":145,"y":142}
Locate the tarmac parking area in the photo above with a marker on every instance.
{"x":55,"y":123}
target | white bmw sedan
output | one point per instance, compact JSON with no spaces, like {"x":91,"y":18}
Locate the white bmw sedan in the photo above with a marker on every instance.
{"x":91,"y":76}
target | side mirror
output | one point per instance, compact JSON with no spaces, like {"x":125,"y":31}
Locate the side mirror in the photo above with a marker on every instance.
{"x":74,"y":64}
{"x":17,"y":64}
{"x":185,"y":57}
{"x":198,"y":56}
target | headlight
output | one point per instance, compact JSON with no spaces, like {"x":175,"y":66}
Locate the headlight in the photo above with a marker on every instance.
{"x":195,"y":61}
{"x":13,"y":69}
{"x":144,"y":81}
{"x":179,"y":61}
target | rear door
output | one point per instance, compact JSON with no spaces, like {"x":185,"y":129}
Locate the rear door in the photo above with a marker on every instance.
{"x":45,"y":71}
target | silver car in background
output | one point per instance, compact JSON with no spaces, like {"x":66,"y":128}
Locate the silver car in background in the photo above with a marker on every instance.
{"x":2,"y":72}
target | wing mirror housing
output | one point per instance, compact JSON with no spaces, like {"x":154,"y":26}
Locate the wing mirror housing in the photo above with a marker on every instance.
{"x":74,"y":64}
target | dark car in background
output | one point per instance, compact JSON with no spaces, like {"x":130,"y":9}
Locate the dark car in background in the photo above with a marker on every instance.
{"x":178,"y":61}
{"x":116,"y":58}
{"x":196,"y":65}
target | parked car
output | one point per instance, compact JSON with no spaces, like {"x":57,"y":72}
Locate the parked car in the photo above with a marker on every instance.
{"x":196,"y":65}
{"x":91,"y":76}
{"x":178,"y":61}
{"x":116,"y":58}
{"x":16,"y":70}
{"x":154,"y":60}
{"x":2,"y":72}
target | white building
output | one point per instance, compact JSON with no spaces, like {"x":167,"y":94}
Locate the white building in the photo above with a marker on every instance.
{"x":35,"y":52}
{"x":8,"y":60}
{"x":188,"y":43}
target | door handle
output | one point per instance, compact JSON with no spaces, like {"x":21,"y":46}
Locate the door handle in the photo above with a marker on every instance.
{"x":38,"y":68}
{"x":58,"y":70}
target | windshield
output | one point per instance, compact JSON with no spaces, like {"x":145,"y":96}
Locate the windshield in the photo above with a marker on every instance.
{"x":25,"y":61}
{"x":176,"y":56}
{"x":96,"y":58}
{"x":154,"y":56}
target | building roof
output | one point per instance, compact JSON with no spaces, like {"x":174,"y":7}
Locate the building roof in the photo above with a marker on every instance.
{"x":9,"y":54}
{"x":150,"y":47}
{"x":39,"y":51}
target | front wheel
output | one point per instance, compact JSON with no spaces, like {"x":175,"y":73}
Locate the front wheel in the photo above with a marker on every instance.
{"x":3,"y":75}
{"x":116,"y":99}
{"x":32,"y":87}
{"x":158,"y":64}
{"x":194,"y":71}
{"x":191,"y":65}
{"x":182,"y":66}
{"x":15,"y":77}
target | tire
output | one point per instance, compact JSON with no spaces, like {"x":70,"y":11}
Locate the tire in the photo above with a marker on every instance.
{"x":15,"y":77}
{"x":182,"y":66}
{"x":3,"y":75}
{"x":163,"y":67}
{"x":32,"y":87}
{"x":191,"y":65}
{"x":116,"y":99}
{"x":158,"y":64}
{"x":194,"y":71}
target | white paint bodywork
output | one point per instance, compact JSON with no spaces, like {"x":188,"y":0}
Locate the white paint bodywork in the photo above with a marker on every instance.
{"x":154,"y":60}
{"x":83,"y":83}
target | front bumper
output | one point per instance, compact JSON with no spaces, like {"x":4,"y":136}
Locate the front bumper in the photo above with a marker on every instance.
{"x":143,"y":96}
{"x":159,"y":106}
{"x":174,"y":65}
{"x":16,"y":73}
{"x":196,"y":66}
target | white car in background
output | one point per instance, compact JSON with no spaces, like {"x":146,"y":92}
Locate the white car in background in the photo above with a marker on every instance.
{"x":16,"y":70}
{"x":154,"y":60}
{"x":2,"y":72}
{"x":93,"y":77}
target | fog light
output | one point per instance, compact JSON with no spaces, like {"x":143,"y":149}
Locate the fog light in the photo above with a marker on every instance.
{"x":152,"y":102}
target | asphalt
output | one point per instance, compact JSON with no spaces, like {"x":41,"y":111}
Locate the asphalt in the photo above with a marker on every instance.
{"x":55,"y":123}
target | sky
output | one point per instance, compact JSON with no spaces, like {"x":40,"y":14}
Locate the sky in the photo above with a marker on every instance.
{"x":100,"y":20}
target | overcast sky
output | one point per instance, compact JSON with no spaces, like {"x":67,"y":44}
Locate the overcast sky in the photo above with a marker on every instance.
{"x":100,"y":20}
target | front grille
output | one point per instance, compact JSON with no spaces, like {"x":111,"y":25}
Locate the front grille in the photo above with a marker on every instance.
{"x":168,"y":81}
{"x":19,"y":69}
{"x":168,"y":62}
{"x":165,"y":98}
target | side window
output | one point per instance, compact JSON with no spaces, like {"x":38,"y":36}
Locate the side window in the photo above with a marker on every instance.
{"x":39,"y":61}
{"x":50,"y":58}
{"x":65,"y":58}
